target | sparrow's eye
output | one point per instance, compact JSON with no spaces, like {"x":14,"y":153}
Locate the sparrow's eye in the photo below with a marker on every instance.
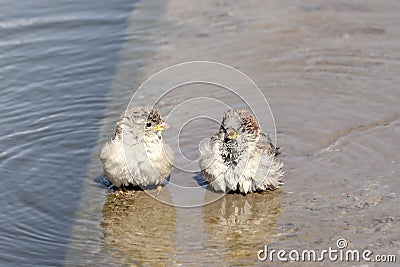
{"x":148,"y":124}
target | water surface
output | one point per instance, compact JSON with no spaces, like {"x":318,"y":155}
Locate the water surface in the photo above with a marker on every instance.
{"x":57,"y":61}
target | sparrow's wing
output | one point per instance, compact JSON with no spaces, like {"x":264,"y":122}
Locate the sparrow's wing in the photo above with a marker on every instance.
{"x":265,"y":143}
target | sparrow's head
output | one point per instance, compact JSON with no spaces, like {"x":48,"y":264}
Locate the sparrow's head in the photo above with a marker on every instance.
{"x":140,"y":120}
{"x":154,"y":122}
{"x":238,"y":125}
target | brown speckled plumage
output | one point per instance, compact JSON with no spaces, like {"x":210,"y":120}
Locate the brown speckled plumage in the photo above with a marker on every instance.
{"x":243,"y":161}
{"x":137,"y":154}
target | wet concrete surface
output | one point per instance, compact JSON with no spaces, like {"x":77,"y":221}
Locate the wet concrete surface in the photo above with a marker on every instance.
{"x":330,"y":72}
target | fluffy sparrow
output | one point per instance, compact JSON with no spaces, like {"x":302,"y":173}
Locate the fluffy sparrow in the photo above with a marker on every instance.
{"x":240,"y":157}
{"x":137,"y":155}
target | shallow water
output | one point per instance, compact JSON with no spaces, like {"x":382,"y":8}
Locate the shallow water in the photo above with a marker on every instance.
{"x":329,"y":70}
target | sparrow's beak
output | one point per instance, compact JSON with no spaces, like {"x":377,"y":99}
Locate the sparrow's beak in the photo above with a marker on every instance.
{"x":231,"y":134}
{"x":161,"y":127}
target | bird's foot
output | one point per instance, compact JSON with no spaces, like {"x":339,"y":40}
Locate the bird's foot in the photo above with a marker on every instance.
{"x":158,"y":190}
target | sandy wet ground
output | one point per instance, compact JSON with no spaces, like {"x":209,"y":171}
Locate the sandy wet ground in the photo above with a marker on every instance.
{"x":329,"y":70}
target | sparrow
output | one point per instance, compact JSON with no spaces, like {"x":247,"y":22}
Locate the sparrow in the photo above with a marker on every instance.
{"x":137,"y":154}
{"x":240,"y":157}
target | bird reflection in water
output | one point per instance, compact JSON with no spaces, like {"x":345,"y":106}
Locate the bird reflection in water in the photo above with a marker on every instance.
{"x":137,"y":228}
{"x":239,"y":225}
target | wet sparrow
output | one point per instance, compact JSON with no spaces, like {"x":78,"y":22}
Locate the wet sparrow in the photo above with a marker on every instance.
{"x":240,"y":157}
{"x":137,"y":154}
